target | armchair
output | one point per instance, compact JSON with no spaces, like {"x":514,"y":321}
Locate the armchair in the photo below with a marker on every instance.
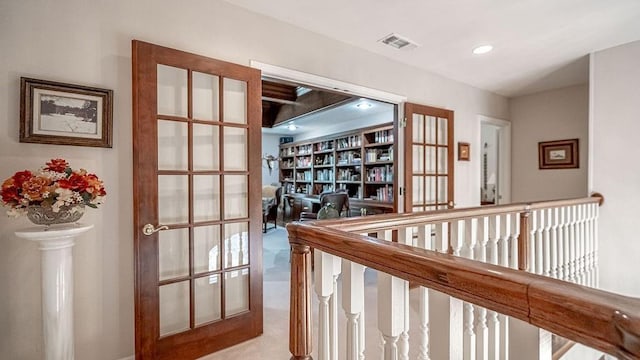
{"x":340,"y":201}
{"x":270,"y":210}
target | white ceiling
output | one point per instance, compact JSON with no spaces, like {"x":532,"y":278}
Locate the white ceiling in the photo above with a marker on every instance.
{"x":337,"y":119}
{"x":538,"y":44}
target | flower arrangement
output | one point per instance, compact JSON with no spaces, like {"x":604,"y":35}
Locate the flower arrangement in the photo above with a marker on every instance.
{"x":54,"y":186}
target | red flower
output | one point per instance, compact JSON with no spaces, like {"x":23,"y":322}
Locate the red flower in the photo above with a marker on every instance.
{"x":10,"y":195}
{"x":20,"y":177}
{"x":94,"y":185}
{"x":57,"y":165}
{"x":75,"y":182}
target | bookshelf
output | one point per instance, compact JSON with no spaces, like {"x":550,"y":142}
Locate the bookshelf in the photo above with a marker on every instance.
{"x":361,"y":161}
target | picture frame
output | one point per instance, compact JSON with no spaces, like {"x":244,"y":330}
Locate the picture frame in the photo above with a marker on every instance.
{"x":559,"y":154}
{"x":464,"y":151}
{"x":65,"y":114}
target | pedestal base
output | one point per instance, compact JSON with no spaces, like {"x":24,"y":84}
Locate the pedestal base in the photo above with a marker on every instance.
{"x":56,"y":243}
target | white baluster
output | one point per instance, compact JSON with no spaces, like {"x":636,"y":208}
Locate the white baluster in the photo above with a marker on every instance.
{"x":493,"y":240}
{"x":463,"y":239}
{"x":446,"y":318}
{"x":476,"y":233}
{"x":538,"y":260}
{"x":515,"y":226}
{"x":353,"y":305}
{"x":554,"y":249}
{"x":424,"y":242}
{"x":323,"y":272}
{"x":583,"y":244}
{"x":546,"y":243}
{"x":503,"y":240}
{"x":572,"y":243}
{"x":404,"y":237}
{"x":457,"y":237}
{"x":391,"y":303}
{"x":333,"y":309}
{"x":442,"y":237}
{"x":533,"y":232}
{"x":566,"y":252}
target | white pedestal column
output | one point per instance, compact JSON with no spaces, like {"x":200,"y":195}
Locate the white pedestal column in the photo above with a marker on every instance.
{"x":56,"y":244}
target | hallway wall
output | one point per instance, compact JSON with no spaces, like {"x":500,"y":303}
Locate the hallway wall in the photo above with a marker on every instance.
{"x":551,"y":115}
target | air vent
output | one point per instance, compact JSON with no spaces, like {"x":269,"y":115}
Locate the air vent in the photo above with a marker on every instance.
{"x":398,"y":42}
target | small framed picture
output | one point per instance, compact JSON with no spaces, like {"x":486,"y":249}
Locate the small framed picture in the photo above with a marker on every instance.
{"x":560,"y":154}
{"x":65,"y":114}
{"x":464,"y":151}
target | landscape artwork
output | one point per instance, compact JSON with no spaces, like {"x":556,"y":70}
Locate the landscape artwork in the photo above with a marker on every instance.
{"x":65,"y":114}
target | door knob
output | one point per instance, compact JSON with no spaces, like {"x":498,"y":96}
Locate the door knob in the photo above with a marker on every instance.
{"x":451,"y":204}
{"x":150,"y":229}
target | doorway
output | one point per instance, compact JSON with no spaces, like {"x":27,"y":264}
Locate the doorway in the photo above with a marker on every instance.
{"x":495,"y":161}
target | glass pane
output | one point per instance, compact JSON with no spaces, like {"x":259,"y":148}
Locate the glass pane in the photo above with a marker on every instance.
{"x":236,"y":292}
{"x":418,"y":190}
{"x":205,"y":147}
{"x":206,"y":248}
{"x":418,"y":208}
{"x":418,"y":128}
{"x":235,"y":149}
{"x":172,"y":91}
{"x":442,"y":131}
{"x":174,"y":308}
{"x":431,"y":130}
{"x":173,"y":145}
{"x":206,"y":96}
{"x":173,"y":201}
{"x":236,"y":244}
{"x":442,"y":160}
{"x":431,"y":189}
{"x":431,"y":160}
{"x":236,"y":196}
{"x":206,"y":197}
{"x":173,"y":253}
{"x":442,"y":189}
{"x":235,"y":101}
{"x":418,"y":159}
{"x":208,"y":299}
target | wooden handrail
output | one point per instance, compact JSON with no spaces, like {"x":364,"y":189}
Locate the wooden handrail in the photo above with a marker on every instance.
{"x":599,"y":319}
{"x":397,"y":221}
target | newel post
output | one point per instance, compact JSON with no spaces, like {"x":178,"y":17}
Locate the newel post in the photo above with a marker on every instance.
{"x":300,"y":305}
{"x":524,"y":240}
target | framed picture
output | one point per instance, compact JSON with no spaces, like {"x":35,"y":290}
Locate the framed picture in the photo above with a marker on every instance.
{"x":464,"y":151}
{"x":561,"y":154}
{"x":65,"y":114}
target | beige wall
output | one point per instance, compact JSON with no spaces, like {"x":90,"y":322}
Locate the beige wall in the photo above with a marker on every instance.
{"x":89,"y":42}
{"x":552,"y":115}
{"x":615,"y":99}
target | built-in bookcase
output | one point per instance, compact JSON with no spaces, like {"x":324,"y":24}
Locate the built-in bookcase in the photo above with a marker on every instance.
{"x":361,"y":161}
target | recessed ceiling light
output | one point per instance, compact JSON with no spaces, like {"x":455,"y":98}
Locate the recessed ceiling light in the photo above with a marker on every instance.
{"x":292,"y":127}
{"x":364,"y":105}
{"x":482,"y":49}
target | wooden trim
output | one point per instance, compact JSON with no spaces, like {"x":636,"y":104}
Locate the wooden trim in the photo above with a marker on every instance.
{"x":300,"y":324}
{"x":524,"y":241}
{"x":396,"y":221}
{"x":569,"y":310}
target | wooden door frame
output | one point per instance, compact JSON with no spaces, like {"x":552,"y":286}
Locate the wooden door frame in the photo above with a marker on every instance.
{"x":244,"y":326}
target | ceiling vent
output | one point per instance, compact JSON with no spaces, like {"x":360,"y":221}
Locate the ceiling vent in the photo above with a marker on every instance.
{"x":398,"y":42}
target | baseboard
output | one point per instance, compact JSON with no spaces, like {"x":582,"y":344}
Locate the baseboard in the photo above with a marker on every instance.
{"x":132,"y":357}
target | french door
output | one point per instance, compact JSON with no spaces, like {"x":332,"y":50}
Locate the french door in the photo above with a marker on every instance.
{"x":197,"y":219}
{"x":428,"y":139}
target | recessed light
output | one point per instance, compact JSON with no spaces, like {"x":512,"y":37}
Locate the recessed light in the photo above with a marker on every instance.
{"x":292,"y":127}
{"x":482,"y":49}
{"x":364,"y":105}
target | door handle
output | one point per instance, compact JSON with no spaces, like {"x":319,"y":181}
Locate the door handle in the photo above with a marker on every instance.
{"x":149,"y":229}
